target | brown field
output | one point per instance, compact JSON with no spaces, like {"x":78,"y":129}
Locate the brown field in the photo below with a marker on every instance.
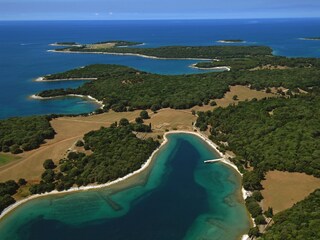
{"x":269,"y":67}
{"x":283,"y":189}
{"x":100,"y":45}
{"x":70,"y":129}
{"x":243,"y":93}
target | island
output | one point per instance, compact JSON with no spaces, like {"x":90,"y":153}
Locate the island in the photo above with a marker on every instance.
{"x":312,"y":38}
{"x":259,"y":63}
{"x":66,"y":44}
{"x":269,"y":123}
{"x":231,"y":41}
{"x":168,"y":52}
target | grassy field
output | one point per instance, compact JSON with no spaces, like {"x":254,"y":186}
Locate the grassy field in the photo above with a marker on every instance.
{"x":283,"y":189}
{"x":6,"y":158}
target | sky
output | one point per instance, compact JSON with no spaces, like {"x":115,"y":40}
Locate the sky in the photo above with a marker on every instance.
{"x":155,"y":9}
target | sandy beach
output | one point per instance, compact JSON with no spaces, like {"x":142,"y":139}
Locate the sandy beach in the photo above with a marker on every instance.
{"x":225,"y":68}
{"x":34,"y":96}
{"x":43,"y":79}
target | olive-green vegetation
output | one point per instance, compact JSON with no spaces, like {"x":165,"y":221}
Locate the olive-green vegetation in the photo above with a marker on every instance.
{"x":248,"y":63}
{"x":24,"y":133}
{"x":122,"y":88}
{"x":207,"y":52}
{"x":6,"y":158}
{"x":94,"y":71}
{"x":116,"y":153}
{"x":7,"y":189}
{"x":302,"y":221}
{"x":271,"y":134}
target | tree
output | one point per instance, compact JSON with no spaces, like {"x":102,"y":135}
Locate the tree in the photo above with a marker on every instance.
{"x":79,"y":143}
{"x":235,"y":97}
{"x":254,"y":232}
{"x":139,"y":120}
{"x":6,"y":201}
{"x":144,"y":114}
{"x":49,"y":164}
{"x":15,"y":149}
{"x":22,"y":182}
{"x":259,"y":220}
{"x":251,"y":181}
{"x":257,"y":196}
{"x":269,"y":212}
{"x":123,"y":122}
{"x":213,"y":103}
{"x":155,"y":107}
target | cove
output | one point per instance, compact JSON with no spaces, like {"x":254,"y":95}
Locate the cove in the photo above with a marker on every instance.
{"x":176,"y":197}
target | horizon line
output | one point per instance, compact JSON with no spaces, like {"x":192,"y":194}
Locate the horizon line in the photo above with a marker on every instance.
{"x":155,"y":19}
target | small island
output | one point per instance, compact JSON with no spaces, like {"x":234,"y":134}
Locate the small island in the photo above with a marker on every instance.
{"x":168,"y":52}
{"x":312,"y":38}
{"x":66,"y":44}
{"x":231,"y":41}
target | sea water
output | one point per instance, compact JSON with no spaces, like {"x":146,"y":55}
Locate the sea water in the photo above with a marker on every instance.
{"x":178,"y":197}
{"x":24,"y":52}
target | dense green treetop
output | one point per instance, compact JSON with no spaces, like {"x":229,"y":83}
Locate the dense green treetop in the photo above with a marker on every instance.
{"x":302,"y":221}
{"x":261,"y":62}
{"x":24,"y":133}
{"x":208,"y":52}
{"x":122,"y":87}
{"x":116,"y":153}
{"x":7,"y":189}
{"x":270,"y":134}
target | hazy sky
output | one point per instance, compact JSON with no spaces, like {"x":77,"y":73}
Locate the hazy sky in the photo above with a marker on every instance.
{"x":156,"y":9}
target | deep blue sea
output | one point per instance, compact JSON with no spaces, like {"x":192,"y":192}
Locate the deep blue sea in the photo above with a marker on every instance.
{"x":24,"y":56}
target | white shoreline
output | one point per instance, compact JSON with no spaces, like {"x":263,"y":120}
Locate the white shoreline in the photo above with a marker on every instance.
{"x":225,"y":161}
{"x":131,"y":54}
{"x":226,"y":68}
{"x":65,"y":45}
{"x":224,"y":41}
{"x":34,"y":96}
{"x":309,"y":39}
{"x":42,"y":79}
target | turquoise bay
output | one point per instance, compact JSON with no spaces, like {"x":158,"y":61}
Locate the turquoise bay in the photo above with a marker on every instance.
{"x":177,"y":197}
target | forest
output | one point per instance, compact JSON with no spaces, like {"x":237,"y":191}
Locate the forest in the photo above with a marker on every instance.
{"x":302,"y":221}
{"x":24,"y":133}
{"x":123,"y":88}
{"x":271,"y":134}
{"x":207,"y":52}
{"x":116,"y":152}
{"x":260,"y":62}
{"x":7,"y":190}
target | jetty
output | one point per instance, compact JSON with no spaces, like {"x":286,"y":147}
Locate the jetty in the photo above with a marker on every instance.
{"x":214,"y":160}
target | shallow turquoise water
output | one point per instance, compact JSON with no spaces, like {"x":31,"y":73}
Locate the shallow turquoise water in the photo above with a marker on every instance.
{"x":180,"y":197}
